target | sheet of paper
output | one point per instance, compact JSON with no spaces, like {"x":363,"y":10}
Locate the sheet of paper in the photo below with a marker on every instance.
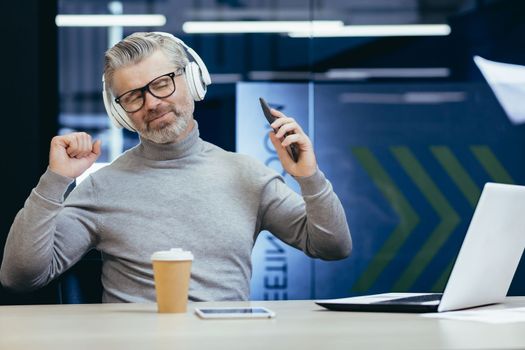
{"x":497,"y":316}
{"x":507,"y":81}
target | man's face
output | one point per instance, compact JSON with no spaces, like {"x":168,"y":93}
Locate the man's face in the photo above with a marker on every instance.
{"x":161,"y":120}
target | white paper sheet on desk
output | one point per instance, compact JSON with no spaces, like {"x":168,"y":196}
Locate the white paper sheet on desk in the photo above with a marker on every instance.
{"x":507,"y":81}
{"x":483,"y":315}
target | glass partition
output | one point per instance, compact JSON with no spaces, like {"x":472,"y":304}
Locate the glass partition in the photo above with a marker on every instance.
{"x":404,"y":125}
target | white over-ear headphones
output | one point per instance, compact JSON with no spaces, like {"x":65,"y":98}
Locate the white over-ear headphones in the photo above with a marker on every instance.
{"x":197,"y":79}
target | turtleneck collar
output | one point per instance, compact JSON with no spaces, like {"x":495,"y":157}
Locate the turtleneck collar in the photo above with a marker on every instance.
{"x":170,"y":151}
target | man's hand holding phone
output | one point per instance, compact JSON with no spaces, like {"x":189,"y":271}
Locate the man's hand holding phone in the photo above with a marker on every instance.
{"x":287,"y":133}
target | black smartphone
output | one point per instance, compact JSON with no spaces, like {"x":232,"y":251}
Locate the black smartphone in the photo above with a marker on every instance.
{"x":293,"y":149}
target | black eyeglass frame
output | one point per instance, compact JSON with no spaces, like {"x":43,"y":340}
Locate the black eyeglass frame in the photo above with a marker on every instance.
{"x":145,"y":88}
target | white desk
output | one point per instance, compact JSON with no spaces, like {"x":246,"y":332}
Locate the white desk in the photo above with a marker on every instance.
{"x":299,"y":325}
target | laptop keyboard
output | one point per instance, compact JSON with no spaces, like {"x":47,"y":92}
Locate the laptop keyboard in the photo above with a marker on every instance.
{"x":417,"y":299}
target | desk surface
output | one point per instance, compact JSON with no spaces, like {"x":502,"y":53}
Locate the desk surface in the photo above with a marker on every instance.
{"x":298,"y":325}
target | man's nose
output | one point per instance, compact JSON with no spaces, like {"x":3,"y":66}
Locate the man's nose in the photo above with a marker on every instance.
{"x":150,"y":101}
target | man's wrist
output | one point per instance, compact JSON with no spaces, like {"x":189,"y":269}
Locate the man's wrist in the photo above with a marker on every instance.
{"x":313,"y":184}
{"x":53,"y":186}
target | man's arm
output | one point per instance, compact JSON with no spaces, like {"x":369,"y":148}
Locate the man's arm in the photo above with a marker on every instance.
{"x":45,"y":239}
{"x":315,"y":223}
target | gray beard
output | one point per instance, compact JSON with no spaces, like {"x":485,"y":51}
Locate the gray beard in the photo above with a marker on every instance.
{"x":169,"y":133}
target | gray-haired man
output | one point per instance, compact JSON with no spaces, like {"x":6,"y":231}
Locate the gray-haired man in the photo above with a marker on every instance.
{"x":171,"y":190}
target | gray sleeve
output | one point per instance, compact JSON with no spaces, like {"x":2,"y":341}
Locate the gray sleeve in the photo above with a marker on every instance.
{"x":315,"y":223}
{"x":46,"y":238}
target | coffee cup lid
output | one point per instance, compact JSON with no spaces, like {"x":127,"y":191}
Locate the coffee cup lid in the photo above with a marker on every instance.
{"x":172,"y":254}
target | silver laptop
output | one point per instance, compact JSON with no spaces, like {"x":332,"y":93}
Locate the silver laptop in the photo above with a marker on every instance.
{"x":483,"y":270}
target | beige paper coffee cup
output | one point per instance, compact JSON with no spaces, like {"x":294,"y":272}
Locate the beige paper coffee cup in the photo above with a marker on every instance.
{"x":171,"y":271}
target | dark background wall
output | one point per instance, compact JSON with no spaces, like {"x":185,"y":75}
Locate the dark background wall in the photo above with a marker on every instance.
{"x":29,"y":107}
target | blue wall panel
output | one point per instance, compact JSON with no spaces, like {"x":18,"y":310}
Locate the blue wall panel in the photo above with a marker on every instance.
{"x":409,"y":162}
{"x":279,"y":271}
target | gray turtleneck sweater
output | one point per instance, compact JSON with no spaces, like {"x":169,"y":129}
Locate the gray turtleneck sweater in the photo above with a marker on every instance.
{"x":191,"y":195}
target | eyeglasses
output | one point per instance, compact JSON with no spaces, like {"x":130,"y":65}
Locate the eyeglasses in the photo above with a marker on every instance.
{"x":160,"y":87}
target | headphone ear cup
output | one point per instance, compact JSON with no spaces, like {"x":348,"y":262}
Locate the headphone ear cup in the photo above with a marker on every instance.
{"x":194,"y":81}
{"x":117,"y":115}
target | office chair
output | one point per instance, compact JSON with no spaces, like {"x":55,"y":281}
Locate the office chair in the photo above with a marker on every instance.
{"x":81,"y":283}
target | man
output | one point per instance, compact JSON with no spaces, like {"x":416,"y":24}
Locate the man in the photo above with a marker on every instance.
{"x":171,"y":190}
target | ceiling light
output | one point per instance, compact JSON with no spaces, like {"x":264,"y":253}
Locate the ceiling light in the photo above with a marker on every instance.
{"x":110,"y":20}
{"x":377,"y":31}
{"x":368,"y":73}
{"x":215,"y":27}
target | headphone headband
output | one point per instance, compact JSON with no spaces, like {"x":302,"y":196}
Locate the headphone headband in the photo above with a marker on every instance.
{"x":193,"y":55}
